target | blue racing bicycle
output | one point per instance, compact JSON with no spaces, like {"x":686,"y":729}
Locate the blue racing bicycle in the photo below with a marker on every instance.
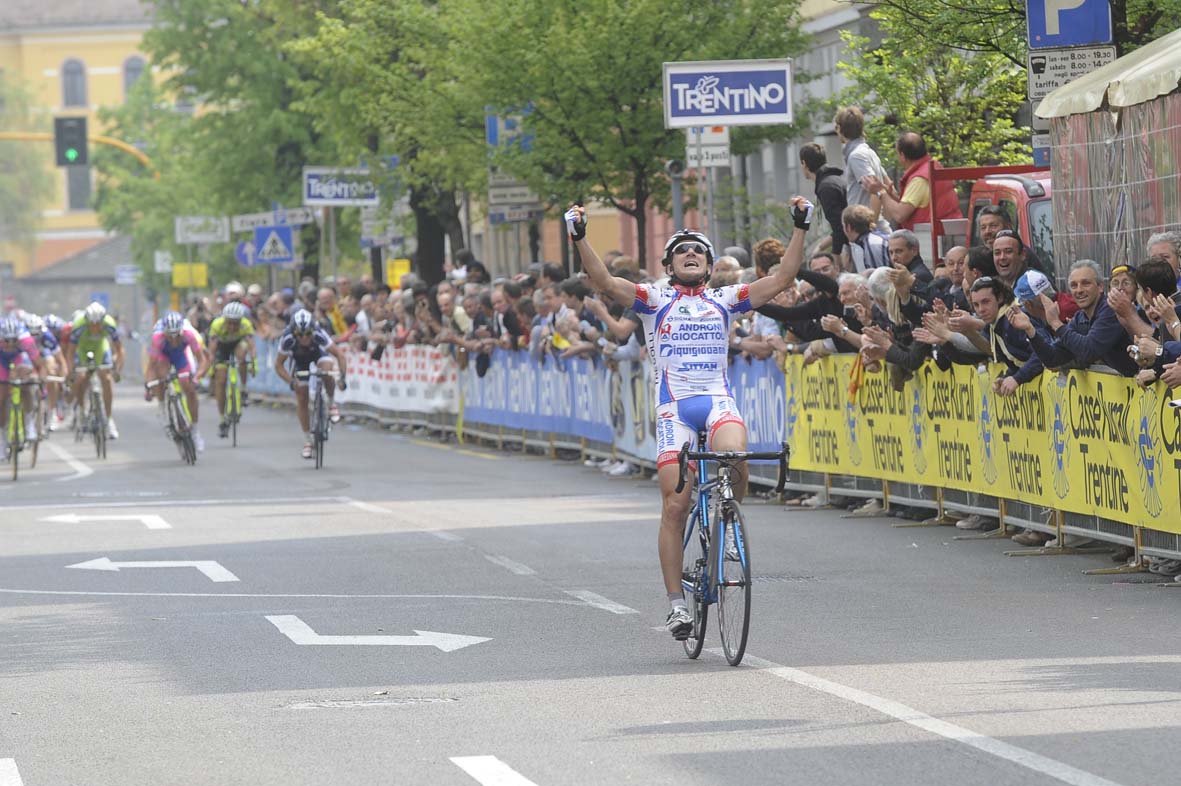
{"x":716,"y":567}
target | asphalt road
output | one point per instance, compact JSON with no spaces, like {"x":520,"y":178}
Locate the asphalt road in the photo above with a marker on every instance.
{"x":418,"y":613}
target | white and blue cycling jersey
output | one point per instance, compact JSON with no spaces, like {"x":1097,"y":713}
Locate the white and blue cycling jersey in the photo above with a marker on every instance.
{"x":688,"y":337}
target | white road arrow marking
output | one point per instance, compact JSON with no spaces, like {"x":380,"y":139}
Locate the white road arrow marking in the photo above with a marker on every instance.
{"x":9,"y":776}
{"x":149,"y":520}
{"x":491,"y":771}
{"x":298,"y":631}
{"x":210,"y":568}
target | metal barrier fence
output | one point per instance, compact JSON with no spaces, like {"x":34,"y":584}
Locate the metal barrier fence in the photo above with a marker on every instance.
{"x":517,"y":413}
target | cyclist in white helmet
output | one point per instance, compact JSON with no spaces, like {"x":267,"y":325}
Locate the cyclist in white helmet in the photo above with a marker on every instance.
{"x":96,"y":331}
{"x":687,"y":328}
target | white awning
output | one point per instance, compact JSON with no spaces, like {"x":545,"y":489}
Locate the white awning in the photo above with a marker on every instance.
{"x":1152,"y":70}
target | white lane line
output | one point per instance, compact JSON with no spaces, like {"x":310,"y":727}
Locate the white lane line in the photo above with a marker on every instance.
{"x":491,"y":771}
{"x":8,"y":773}
{"x":149,"y":520}
{"x":599,"y":602}
{"x":511,"y":565}
{"x":339,"y":596}
{"x":365,"y":506}
{"x":1019,"y":756}
{"x":443,"y":534}
{"x":80,"y":469}
{"x":245,"y":501}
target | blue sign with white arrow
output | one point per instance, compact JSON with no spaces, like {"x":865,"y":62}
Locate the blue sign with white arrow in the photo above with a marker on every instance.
{"x":274,"y":245}
{"x":1061,"y":23}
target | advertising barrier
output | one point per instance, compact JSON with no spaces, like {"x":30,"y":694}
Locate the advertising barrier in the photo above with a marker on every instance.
{"x":1082,"y":442}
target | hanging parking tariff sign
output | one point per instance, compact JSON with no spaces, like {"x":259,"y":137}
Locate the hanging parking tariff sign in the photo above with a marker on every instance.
{"x":727,"y":93}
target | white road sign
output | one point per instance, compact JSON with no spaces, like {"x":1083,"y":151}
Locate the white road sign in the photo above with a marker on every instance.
{"x":201,"y":230}
{"x":127,"y":274}
{"x":718,"y":136}
{"x":299,"y":632}
{"x":163,"y":261}
{"x":290,"y":215}
{"x":1050,"y":69}
{"x":710,"y":156}
{"x":514,"y":194}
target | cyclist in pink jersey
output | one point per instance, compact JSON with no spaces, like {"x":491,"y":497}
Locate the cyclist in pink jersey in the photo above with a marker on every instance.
{"x":688,"y":328}
{"x":176,"y":344}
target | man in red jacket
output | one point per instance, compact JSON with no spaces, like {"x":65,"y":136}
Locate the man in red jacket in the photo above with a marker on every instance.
{"x":911,"y":202}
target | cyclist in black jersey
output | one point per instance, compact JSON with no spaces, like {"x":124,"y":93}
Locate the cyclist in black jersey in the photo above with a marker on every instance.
{"x":302,"y":344}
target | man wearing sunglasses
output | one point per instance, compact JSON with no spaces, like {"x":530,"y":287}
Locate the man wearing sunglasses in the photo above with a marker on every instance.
{"x":687,"y":329}
{"x":303,"y":343}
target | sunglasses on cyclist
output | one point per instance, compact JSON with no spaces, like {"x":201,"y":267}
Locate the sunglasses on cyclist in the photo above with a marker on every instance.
{"x":685,"y":248}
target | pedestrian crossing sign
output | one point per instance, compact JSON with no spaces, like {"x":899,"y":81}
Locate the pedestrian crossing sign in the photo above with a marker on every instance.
{"x":273,"y":245}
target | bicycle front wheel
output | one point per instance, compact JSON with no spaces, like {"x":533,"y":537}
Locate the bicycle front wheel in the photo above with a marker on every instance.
{"x":98,"y":425}
{"x":693,"y":583}
{"x":321,"y":428}
{"x":733,"y":565}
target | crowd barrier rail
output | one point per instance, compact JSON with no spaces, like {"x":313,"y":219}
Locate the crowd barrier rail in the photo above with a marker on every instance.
{"x":1073,"y":452}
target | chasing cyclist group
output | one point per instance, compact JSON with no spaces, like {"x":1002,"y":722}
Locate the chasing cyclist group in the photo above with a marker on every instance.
{"x":61,"y":356}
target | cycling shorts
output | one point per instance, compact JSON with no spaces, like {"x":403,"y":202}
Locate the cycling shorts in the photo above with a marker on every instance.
{"x":13,"y":360}
{"x":678,"y":422}
{"x":302,"y":358}
{"x":225,"y":350}
{"x":80,"y":360}
{"x":180,"y":358}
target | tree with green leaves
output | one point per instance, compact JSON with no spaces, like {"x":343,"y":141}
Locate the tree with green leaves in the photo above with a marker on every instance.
{"x":964,"y":104}
{"x":998,"y":27}
{"x":141,"y":201}
{"x":26,"y":185}
{"x":380,"y":83}
{"x":590,"y":75}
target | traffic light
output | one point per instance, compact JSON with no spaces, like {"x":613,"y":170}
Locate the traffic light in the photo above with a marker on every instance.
{"x":69,"y":141}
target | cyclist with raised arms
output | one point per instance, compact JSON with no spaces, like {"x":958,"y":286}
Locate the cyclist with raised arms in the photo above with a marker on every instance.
{"x":177,"y":344}
{"x":687,"y":327}
{"x":231,"y":340}
{"x":96,"y":331}
{"x":303,"y":343}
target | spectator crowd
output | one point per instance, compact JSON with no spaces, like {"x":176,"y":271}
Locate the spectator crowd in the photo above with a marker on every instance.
{"x":866,"y":290}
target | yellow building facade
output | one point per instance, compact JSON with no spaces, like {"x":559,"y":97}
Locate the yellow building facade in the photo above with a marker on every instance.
{"x":75,"y":57}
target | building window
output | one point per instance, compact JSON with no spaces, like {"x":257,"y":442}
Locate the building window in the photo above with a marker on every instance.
{"x":78,"y":187}
{"x":133,"y":69}
{"x":73,"y":83}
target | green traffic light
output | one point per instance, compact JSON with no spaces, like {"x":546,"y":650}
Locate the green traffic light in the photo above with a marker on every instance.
{"x":71,"y":154}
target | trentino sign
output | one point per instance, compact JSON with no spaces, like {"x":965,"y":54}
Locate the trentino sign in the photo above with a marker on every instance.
{"x":727,"y":93}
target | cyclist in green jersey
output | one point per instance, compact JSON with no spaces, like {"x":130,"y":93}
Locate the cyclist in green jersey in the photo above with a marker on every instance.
{"x":96,"y":331}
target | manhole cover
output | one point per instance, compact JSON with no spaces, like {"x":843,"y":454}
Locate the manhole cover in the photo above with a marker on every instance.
{"x":782,"y":579}
{"x":383,"y":701}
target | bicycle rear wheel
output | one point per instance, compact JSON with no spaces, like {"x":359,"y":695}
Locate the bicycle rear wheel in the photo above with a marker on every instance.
{"x":233,"y":405}
{"x":15,"y":437}
{"x":733,"y":581}
{"x":321,"y":426}
{"x":693,"y":583}
{"x":98,"y":425}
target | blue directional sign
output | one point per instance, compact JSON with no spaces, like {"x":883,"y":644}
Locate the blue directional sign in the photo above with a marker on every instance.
{"x":1061,"y":23}
{"x":273,"y":245}
{"x":244,"y":252}
{"x":727,"y":93}
{"x":101,"y":297}
{"x":506,"y":130}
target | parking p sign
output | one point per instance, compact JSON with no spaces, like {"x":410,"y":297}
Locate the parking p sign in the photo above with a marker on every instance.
{"x":1060,"y":23}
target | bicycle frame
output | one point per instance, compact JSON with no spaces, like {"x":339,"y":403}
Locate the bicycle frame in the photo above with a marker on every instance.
{"x":699,"y":521}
